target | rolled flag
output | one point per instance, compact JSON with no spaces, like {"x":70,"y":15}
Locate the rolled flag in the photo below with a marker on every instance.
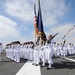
{"x":54,"y":36}
{"x":68,"y":32}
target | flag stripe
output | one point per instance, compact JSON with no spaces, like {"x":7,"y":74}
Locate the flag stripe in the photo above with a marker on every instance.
{"x":35,"y":21}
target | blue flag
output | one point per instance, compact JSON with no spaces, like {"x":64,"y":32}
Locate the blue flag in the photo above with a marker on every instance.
{"x":40,"y":23}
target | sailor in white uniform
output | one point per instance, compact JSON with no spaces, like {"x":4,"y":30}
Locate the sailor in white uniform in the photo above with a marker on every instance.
{"x":61,"y":49}
{"x":64,"y":50}
{"x":0,"y":50}
{"x":49,"y":54}
{"x":74,"y":48}
{"x":43,"y":54}
{"x":7,"y":49}
{"x":31,"y":51}
{"x":12,"y":51}
{"x":55,"y":49}
{"x":69,"y":49}
{"x":18,"y":52}
{"x":36,"y":52}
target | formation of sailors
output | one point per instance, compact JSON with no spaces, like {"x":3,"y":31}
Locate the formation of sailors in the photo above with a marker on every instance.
{"x":48,"y":50}
{"x":41,"y":50}
{"x":15,"y":51}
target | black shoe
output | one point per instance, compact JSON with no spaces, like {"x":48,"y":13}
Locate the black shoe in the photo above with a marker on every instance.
{"x":42,"y":66}
{"x":48,"y":68}
{"x":36,"y":64}
{"x":33,"y":63}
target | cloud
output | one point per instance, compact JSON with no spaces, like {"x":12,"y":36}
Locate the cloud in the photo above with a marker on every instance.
{"x":62,"y":29}
{"x":9,"y":31}
{"x":52,"y":10}
{"x":19,"y":8}
{"x":8,"y":28}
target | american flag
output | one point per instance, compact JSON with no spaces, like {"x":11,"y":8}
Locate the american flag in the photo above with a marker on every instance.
{"x":35,"y":21}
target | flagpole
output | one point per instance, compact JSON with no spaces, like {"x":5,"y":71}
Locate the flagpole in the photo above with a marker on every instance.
{"x":67,"y":33}
{"x":35,"y":20}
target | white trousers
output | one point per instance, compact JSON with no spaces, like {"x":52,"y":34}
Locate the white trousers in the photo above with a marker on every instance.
{"x":36,"y":57}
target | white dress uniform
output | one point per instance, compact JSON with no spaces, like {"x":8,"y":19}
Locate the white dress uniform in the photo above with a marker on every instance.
{"x":24,"y":51}
{"x":43,"y":54}
{"x":12,"y":52}
{"x":7,"y":48}
{"x":64,"y":50}
{"x":0,"y":50}
{"x":18,"y":53}
{"x":36,"y":56}
{"x":21,"y":51}
{"x":49,"y":54}
{"x":31,"y":52}
{"x":37,"y":52}
{"x":74,"y":48}
{"x":8,"y":51}
{"x":55,"y":50}
{"x":28,"y":52}
{"x":69,"y":49}
{"x":61,"y":50}
{"x":58,"y":49}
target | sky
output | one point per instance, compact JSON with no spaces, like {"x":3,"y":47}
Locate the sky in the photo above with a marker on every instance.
{"x":17,"y":19}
